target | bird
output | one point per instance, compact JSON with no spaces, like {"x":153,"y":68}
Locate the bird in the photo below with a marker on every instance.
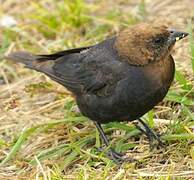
{"x":118,"y":79}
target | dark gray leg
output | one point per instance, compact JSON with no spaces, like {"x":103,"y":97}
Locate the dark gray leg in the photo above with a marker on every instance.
{"x":149,"y":133}
{"x":114,"y":155}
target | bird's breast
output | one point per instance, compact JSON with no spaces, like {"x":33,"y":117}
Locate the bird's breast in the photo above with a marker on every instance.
{"x":133,"y":96}
{"x":161,"y":72}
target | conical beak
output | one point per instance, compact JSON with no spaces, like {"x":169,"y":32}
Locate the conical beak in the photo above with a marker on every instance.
{"x":176,"y":36}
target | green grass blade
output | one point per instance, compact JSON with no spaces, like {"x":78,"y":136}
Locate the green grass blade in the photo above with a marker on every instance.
{"x":175,"y":97}
{"x":17,"y":146}
{"x":183,"y":136}
{"x":27,"y":133}
{"x":188,"y":112}
{"x":182,"y":80}
{"x":48,"y":153}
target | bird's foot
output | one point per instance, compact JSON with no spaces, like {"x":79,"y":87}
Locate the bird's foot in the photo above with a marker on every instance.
{"x":113,"y":155}
{"x":117,"y":157}
{"x":120,"y":157}
{"x":152,"y":137}
{"x":154,"y":140}
{"x":111,"y":150}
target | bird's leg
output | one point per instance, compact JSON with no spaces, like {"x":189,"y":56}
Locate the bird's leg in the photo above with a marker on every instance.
{"x":149,"y":133}
{"x":149,"y":136}
{"x":114,"y":155}
{"x":144,"y":132}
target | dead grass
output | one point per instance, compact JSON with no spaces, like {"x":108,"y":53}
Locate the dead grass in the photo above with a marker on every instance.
{"x":43,"y":136}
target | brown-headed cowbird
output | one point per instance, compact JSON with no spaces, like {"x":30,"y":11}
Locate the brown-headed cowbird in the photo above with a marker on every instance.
{"x":119,"y":79}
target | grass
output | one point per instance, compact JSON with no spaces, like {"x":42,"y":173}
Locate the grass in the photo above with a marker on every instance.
{"x":43,"y":136}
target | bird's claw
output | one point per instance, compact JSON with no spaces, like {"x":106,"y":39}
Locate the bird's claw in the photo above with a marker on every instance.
{"x":117,"y":157}
{"x":155,"y":137}
{"x":150,"y":135}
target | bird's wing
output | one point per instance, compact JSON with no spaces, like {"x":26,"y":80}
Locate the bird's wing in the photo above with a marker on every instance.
{"x":92,"y":71}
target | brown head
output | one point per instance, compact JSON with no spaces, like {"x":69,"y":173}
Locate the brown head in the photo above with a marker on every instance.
{"x":144,"y":43}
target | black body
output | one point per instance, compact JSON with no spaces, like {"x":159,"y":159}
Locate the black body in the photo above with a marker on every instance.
{"x":107,"y":88}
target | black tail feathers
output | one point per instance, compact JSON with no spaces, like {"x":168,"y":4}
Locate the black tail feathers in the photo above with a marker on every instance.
{"x":24,"y":58}
{"x":28,"y":58}
{"x":42,"y":63}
